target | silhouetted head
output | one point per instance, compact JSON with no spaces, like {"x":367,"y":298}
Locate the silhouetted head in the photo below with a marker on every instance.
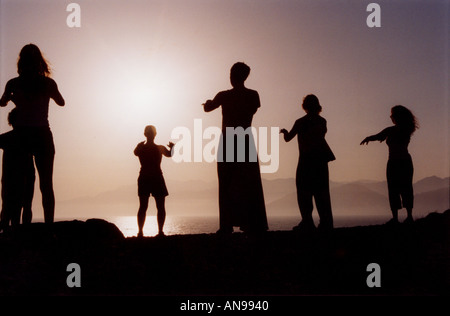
{"x":31,"y":62}
{"x":239,"y":73}
{"x":403,"y":117}
{"x":12,"y":117}
{"x":311,"y":104}
{"x":150,"y":132}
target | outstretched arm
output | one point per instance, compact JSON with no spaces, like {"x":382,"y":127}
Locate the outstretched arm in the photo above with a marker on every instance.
{"x":367,"y":140}
{"x":211,"y":105}
{"x":7,"y":95}
{"x":167,"y":152}
{"x":381,"y":136}
{"x":288,"y":135}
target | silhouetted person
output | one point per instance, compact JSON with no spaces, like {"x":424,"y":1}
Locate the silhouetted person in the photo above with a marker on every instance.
{"x":399,"y":171}
{"x":312,"y":178}
{"x":31,"y":92}
{"x":18,"y":176}
{"x":241,"y":198}
{"x":151,"y":180}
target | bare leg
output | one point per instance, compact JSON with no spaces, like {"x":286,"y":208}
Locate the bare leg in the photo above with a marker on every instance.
{"x":44,"y":166}
{"x":160,"y":205}
{"x":27,"y":214}
{"x":142,"y":213}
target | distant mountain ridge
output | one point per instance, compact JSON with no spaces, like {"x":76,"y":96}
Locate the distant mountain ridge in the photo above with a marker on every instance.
{"x":200,"y":197}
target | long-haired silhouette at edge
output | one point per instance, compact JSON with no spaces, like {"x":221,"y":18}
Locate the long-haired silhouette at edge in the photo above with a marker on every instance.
{"x":399,"y":170}
{"x":151,"y":180}
{"x":241,"y":198}
{"x":312,"y":178}
{"x":31,"y":92}
{"x":18,"y":176}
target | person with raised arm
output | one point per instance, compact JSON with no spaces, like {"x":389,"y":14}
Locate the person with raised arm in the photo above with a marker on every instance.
{"x":400,"y":169}
{"x":312,"y":178}
{"x":151,"y":180}
{"x":241,"y":197}
{"x":31,"y":92}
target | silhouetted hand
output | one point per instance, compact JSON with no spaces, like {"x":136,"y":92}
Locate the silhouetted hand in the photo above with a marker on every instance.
{"x":5,"y":99}
{"x":285,"y":134}
{"x":365,"y":141}
{"x":208,"y":102}
{"x":170,"y":145}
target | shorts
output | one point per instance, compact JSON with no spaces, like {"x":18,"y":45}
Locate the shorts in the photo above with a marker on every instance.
{"x":152,"y":185}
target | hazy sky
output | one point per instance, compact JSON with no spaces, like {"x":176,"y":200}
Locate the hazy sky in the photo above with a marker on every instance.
{"x":134,"y":63}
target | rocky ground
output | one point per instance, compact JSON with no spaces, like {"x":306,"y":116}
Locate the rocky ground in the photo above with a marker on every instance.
{"x":413,"y":260}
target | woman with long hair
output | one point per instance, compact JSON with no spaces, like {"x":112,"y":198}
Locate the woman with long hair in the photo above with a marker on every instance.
{"x":399,"y":171}
{"x":31,"y":92}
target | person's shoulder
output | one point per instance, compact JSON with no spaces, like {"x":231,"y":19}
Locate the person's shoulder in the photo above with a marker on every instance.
{"x":161,"y":148}
{"x":13,"y":81}
{"x":316,"y":119}
{"x":223,"y":93}
{"x":139,"y":146}
{"x":50,"y":81}
{"x":390,"y":129}
{"x":302,"y":119}
{"x":299,"y":123}
{"x":321,"y":119}
{"x":252,"y":91}
{"x":8,"y":134}
{"x":388,"y":132}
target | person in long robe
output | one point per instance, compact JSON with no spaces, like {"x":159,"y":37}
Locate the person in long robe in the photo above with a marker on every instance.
{"x":241,"y":196}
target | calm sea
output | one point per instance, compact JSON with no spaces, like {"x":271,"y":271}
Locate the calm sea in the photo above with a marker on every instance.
{"x":184,"y":225}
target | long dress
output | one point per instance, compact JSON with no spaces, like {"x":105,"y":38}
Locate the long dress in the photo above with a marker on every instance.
{"x":241,"y":197}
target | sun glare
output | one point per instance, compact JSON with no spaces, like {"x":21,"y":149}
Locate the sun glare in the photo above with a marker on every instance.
{"x":144,"y":96}
{"x":140,"y":94}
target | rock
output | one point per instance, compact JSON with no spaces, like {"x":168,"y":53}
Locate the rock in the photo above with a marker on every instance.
{"x":414,"y":260}
{"x":91,"y":231}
